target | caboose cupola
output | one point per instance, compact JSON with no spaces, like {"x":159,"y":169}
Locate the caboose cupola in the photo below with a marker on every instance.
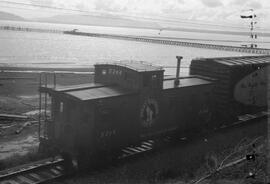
{"x":134,"y":75}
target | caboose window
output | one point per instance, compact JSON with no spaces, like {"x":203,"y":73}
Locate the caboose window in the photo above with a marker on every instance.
{"x":104,"y":72}
{"x":118,"y":72}
{"x":110,"y":71}
{"x":155,"y":80}
{"x":61,"y":106}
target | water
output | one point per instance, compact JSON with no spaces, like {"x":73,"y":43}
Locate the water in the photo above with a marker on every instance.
{"x":54,"y":50}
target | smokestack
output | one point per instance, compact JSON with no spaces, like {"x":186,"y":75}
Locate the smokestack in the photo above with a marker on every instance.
{"x":176,"y":81}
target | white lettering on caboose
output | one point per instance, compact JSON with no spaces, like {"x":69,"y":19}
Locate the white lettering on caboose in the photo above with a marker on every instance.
{"x":107,"y":133}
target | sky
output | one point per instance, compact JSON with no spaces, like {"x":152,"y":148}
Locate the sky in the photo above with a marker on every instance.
{"x":208,"y":11}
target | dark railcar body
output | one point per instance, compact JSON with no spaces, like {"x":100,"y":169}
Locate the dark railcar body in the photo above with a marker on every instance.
{"x":92,"y":118}
{"x":188,"y":105}
{"x":241,"y":85}
{"x":129,"y":102}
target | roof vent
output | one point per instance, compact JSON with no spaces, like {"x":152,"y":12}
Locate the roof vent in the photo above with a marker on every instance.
{"x":177,"y":81}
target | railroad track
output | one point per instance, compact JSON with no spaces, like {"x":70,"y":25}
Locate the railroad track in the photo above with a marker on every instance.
{"x":45,"y":170}
{"x":246,"y":118}
{"x":33,"y":173}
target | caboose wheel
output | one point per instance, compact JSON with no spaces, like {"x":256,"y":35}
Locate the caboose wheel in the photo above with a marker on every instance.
{"x":96,"y":160}
{"x":68,"y":165}
{"x":43,"y":145}
{"x":41,"y":148}
{"x":83,"y":162}
{"x":87,"y":161}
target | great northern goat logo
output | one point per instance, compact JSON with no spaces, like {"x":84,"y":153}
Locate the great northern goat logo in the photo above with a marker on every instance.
{"x":149,"y":112}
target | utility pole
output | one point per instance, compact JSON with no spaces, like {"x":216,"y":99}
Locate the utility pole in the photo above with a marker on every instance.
{"x":253,"y":34}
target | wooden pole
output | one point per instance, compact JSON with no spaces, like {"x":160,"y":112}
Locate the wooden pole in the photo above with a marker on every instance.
{"x":39,"y":114}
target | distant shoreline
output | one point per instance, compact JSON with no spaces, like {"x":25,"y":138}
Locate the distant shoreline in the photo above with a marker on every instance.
{"x":264,"y":34}
{"x":22,"y":69}
{"x":26,"y":29}
{"x":22,"y":28}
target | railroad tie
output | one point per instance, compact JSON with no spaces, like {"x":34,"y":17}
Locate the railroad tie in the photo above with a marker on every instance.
{"x":146,"y":147}
{"x":55,"y":171}
{"x":9,"y":182}
{"x":59,"y":168}
{"x":36,"y":176}
{"x":45,"y":175}
{"x":25,"y":179}
{"x":141,"y":149}
{"x":33,"y":177}
{"x":134,"y":149}
{"x":127,"y":151}
{"x":17,"y":180}
{"x":147,"y":143}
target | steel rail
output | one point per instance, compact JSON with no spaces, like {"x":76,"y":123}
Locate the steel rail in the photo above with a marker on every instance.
{"x":33,"y":173}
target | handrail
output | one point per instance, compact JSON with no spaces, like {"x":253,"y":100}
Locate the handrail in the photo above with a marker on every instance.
{"x":43,"y":81}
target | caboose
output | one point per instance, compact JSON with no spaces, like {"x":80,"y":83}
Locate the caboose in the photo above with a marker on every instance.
{"x":129,"y":101}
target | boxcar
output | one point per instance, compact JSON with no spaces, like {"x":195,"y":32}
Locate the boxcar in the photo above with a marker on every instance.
{"x":241,"y":85}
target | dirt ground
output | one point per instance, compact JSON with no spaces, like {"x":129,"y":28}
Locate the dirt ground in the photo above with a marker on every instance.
{"x":21,"y":142}
{"x":19,"y":96}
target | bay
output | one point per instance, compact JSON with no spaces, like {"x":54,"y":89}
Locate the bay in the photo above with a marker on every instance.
{"x":38,"y":49}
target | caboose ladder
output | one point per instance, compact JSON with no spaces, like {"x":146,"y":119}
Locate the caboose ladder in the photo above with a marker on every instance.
{"x":43,"y":118}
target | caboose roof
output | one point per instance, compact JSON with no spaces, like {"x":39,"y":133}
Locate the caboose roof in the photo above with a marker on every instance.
{"x":97,"y":93}
{"x":139,"y":66}
{"x":185,"y":82}
{"x":236,"y":61}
